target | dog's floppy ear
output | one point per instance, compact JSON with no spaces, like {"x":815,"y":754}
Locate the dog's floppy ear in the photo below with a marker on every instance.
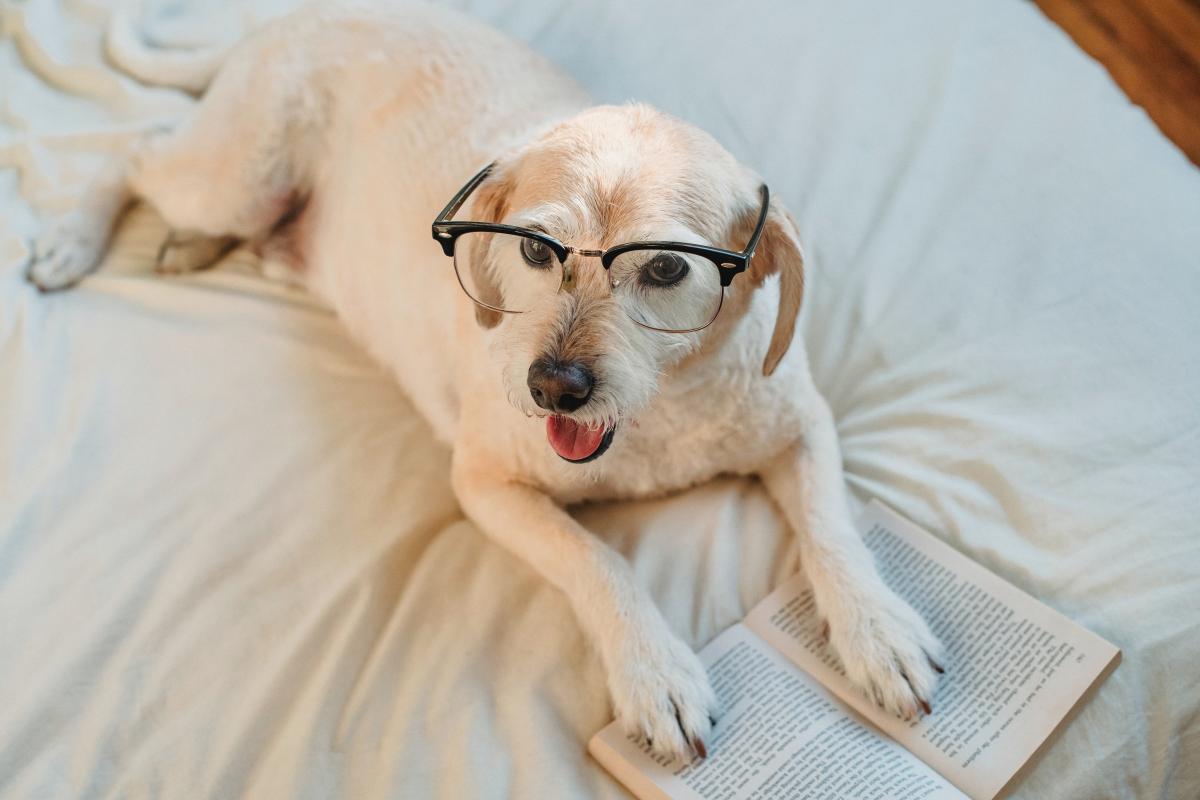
{"x":779,"y":253}
{"x":490,"y":204}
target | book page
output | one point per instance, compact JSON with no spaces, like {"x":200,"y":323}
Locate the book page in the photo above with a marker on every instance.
{"x":781,"y":734}
{"x":1014,"y":667}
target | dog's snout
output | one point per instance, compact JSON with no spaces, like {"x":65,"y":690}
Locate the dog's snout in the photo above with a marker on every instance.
{"x":559,"y":386}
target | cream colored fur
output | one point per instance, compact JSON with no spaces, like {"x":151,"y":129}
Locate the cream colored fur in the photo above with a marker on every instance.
{"x":366,"y":118}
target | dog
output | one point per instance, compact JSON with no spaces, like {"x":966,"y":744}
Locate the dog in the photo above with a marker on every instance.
{"x":329,"y":138}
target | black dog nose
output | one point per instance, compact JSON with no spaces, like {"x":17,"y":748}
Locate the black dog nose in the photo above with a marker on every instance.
{"x":558,"y":386}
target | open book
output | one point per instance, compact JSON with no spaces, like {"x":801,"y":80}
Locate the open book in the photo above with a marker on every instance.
{"x":794,"y":727}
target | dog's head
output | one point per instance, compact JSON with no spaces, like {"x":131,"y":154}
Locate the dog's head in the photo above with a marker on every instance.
{"x":608,"y":176}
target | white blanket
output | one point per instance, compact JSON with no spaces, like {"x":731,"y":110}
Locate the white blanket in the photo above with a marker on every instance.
{"x":230,"y":562}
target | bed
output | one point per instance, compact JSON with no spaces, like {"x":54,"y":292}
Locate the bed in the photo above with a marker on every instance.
{"x":230,"y":561}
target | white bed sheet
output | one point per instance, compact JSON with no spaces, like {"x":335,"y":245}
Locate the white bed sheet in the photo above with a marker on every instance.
{"x":230,"y":563}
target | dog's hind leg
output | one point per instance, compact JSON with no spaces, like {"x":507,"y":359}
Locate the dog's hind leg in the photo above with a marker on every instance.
{"x":228,"y":173}
{"x":235,"y":168}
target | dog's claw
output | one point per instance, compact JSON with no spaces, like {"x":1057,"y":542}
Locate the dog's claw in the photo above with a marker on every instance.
{"x":698,"y":746}
{"x":936,"y":666}
{"x":921,"y":701}
{"x":825,"y":632}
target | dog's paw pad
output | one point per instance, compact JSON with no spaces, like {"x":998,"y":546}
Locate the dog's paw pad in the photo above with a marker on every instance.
{"x":663,"y":696}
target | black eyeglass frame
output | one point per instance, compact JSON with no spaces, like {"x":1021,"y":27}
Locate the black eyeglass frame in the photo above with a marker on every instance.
{"x":729,"y":263}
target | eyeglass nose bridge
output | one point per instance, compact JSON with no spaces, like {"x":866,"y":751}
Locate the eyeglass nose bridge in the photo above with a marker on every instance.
{"x":568,"y":269}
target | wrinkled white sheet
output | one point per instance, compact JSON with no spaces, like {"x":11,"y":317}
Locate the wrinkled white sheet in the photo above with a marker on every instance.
{"x":230,"y":563}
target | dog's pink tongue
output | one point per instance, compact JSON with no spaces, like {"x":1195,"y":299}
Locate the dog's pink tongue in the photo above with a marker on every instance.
{"x":572,"y":440}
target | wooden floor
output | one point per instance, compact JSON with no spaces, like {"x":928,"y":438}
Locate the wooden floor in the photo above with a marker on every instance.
{"x":1152,"y":50}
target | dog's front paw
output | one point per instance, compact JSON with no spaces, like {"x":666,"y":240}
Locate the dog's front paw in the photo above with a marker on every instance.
{"x":63,"y":256}
{"x":889,"y":653}
{"x":662,"y":693}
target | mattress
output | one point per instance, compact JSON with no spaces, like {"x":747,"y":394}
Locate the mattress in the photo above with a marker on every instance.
{"x":230,"y":561}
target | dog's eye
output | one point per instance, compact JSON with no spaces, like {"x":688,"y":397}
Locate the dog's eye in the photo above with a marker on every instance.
{"x":535,"y":253}
{"x":665,"y":269}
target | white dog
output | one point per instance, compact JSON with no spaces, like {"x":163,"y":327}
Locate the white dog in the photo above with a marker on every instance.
{"x":330,"y":138}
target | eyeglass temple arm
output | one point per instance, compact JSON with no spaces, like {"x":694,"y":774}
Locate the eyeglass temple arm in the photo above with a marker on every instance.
{"x":457,"y":201}
{"x":748,"y":253}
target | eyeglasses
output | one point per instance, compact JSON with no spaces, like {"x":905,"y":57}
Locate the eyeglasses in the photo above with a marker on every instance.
{"x":673,"y":287}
